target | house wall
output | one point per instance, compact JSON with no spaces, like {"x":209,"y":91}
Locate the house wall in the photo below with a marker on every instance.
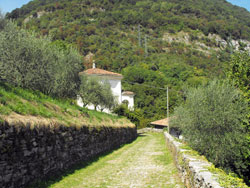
{"x":116,"y":88}
{"x":130,"y":99}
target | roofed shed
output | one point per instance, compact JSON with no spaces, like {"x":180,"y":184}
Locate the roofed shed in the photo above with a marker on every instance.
{"x":160,"y":124}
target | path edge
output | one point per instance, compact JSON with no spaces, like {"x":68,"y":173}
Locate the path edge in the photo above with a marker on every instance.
{"x":194,"y":172}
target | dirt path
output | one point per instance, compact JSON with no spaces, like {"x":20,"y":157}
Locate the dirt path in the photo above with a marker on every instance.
{"x":143,"y":163}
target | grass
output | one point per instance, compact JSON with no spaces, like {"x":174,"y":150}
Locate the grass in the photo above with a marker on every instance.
{"x":225,"y":180}
{"x":143,"y":163}
{"x":20,"y":102}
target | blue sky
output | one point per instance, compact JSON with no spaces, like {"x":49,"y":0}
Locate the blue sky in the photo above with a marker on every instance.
{"x":241,"y":3}
{"x":9,"y":5}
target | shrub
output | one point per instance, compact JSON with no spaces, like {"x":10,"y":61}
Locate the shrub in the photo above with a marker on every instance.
{"x":2,"y":21}
{"x":212,"y":123}
{"x":31,"y":62}
{"x":239,"y":73}
{"x":135,"y":116}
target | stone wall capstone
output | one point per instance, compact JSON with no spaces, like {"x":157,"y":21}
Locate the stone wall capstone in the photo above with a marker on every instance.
{"x":28,"y":154}
{"x":194,"y":172}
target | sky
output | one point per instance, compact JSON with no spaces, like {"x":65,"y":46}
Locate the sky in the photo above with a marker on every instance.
{"x":9,"y":5}
{"x":241,"y":3}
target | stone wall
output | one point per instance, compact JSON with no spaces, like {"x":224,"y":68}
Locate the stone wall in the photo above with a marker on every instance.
{"x":28,"y":154}
{"x":194,"y":171}
{"x":148,"y":129}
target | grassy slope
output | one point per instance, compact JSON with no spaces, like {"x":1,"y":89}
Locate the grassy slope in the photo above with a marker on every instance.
{"x":143,"y":163}
{"x":24,"y":106}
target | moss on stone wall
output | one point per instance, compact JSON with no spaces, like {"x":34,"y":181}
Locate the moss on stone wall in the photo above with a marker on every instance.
{"x":196,"y":171}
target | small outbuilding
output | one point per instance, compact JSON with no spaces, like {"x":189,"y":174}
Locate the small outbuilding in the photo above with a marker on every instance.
{"x":164,"y":123}
{"x":160,"y":124}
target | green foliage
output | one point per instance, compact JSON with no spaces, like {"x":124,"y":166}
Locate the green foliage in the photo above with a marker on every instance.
{"x":227,"y":180}
{"x":136,"y":116}
{"x":239,"y":72}
{"x":214,"y":16}
{"x":31,"y":62}
{"x":109,"y":30}
{"x":3,"y":21}
{"x":93,"y":91}
{"x":212,"y":123}
{"x":35,"y":103}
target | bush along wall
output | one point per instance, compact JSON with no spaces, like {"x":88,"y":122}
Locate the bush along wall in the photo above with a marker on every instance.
{"x":196,"y":171}
{"x":29,"y":153}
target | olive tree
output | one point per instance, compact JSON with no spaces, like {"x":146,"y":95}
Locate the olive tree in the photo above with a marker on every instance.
{"x":29,"y":61}
{"x":93,"y":91}
{"x":2,"y":20}
{"x":239,"y":74}
{"x":211,"y":121}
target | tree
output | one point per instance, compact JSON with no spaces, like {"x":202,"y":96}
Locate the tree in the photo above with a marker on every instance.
{"x":136,"y":116}
{"x":212,"y":120}
{"x":107,"y":100}
{"x":239,"y":74}
{"x":34,"y":63}
{"x":93,"y":91}
{"x":2,"y":21}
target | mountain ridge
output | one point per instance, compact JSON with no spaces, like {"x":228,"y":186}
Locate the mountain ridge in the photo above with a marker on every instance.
{"x":197,"y":10}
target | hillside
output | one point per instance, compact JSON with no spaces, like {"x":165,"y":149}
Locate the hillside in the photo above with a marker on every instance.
{"x":209,"y":16}
{"x":19,"y":106}
{"x":42,"y":137}
{"x":154,"y":44}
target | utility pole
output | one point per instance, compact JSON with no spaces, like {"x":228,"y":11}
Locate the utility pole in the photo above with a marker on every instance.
{"x":139,"y":35}
{"x":168,"y":112}
{"x":146,"y":46}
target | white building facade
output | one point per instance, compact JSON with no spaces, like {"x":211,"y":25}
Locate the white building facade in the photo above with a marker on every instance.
{"x":128,"y":96}
{"x":114,"y":79}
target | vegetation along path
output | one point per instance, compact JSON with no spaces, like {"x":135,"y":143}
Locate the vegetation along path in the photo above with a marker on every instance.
{"x":144,"y":163}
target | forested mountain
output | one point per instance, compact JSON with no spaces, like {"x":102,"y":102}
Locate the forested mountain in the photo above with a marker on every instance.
{"x":209,"y":16}
{"x":153,"y":43}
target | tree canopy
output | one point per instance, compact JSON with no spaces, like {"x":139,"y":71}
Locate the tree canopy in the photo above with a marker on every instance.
{"x":212,"y":122}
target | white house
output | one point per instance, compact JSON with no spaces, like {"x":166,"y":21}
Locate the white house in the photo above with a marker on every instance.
{"x":129,"y":97}
{"x":114,"y":79}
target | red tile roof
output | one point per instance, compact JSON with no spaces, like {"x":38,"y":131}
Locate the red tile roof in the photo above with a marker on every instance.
{"x":96,"y":71}
{"x":162,"y":122}
{"x":128,"y":93}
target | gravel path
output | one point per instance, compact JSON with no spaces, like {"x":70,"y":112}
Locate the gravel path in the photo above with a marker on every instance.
{"x":144,"y":163}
